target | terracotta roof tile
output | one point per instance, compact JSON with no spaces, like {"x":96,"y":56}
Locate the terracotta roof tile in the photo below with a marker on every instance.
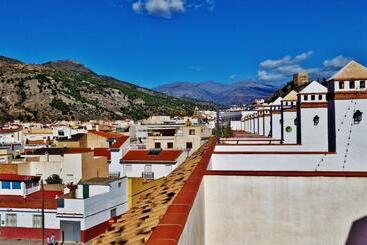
{"x":158,"y":212}
{"x":144,"y":156}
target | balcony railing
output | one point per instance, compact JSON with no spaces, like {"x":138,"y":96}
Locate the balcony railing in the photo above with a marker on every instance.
{"x":147,"y":175}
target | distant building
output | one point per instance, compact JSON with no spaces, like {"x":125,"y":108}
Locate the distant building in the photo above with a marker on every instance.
{"x":300,"y":78}
{"x":151,"y":164}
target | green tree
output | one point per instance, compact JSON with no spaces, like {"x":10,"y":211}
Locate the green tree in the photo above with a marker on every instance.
{"x":54,"y":179}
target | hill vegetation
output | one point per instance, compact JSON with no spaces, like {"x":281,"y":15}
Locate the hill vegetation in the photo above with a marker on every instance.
{"x":66,"y":90}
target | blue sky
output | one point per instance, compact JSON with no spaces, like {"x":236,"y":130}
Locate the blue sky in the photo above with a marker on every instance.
{"x":152,"y":42}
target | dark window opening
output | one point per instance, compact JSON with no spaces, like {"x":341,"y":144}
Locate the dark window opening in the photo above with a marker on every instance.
{"x":352,"y":84}
{"x":362,"y":84}
{"x":341,"y":85}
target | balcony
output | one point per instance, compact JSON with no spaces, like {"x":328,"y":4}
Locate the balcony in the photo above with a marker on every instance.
{"x":147,"y":175}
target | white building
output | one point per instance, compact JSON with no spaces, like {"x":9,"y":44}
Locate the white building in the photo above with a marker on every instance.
{"x":87,"y":211}
{"x":151,"y":164}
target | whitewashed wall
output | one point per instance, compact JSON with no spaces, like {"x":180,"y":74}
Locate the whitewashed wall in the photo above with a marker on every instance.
{"x":282,"y":210}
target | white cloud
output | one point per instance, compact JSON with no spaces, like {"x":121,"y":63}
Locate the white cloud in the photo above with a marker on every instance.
{"x":233,"y":77}
{"x":337,"y":62}
{"x":161,"y":8}
{"x":168,"y":8}
{"x":282,"y":69}
{"x":137,"y":7}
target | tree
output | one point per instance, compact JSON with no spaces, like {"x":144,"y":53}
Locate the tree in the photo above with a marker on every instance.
{"x":54,"y":179}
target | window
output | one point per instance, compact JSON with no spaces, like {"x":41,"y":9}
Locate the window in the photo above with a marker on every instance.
{"x":188,"y":145}
{"x":357,"y":117}
{"x":305,"y":97}
{"x":295,"y":122}
{"x":119,"y":184}
{"x":61,"y":133}
{"x":341,"y":85}
{"x":288,"y":129}
{"x":316,"y":120}
{"x":170,"y":145}
{"x":313,"y":97}
{"x":37,"y":221}
{"x":362,"y":84}
{"x":157,"y":145}
{"x":5,"y":184}
{"x":11,"y":220}
{"x":192,"y":132}
{"x":113,"y":212}
{"x":15,"y":185}
{"x":320,"y":96}
{"x":352,"y":84}
{"x":60,"y":203}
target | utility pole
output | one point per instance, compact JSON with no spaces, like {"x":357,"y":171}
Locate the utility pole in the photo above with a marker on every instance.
{"x":43,"y":212}
{"x":217,"y":127}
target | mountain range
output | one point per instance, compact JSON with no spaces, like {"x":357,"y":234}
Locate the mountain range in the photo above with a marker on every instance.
{"x":67,"y":90}
{"x":236,"y":93}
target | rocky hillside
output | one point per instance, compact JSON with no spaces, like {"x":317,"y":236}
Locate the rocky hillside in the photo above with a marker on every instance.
{"x":68,"y":90}
{"x":237,"y":93}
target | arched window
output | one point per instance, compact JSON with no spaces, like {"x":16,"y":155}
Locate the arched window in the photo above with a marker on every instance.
{"x":316,"y":120}
{"x":357,"y":117}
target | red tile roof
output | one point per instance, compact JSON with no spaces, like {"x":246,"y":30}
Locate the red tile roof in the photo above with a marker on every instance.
{"x":33,"y":200}
{"x":120,"y":141}
{"x":144,"y":156}
{"x":102,"y":152}
{"x":120,"y":138}
{"x":9,"y":130}
{"x":16,"y":177}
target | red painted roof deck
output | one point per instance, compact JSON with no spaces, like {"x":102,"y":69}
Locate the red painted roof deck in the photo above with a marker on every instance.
{"x":144,"y":156}
{"x":33,"y":200}
{"x":102,"y":152}
{"x":120,"y":138}
{"x":16,"y":177}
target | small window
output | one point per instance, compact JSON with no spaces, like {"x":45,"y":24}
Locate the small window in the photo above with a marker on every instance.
{"x":362,"y":84}
{"x":188,"y":145}
{"x":119,"y":184}
{"x":305,"y":97}
{"x":37,"y":221}
{"x":320,"y":96}
{"x":352,"y":84}
{"x":157,"y":145}
{"x":357,"y":117}
{"x":341,"y":85}
{"x":15,"y":185}
{"x":5,"y":184}
{"x":192,"y":132}
{"x":60,"y":203}
{"x":313,"y":97}
{"x":295,"y":122}
{"x":170,"y":145}
{"x":316,"y":120}
{"x":11,"y":220}
{"x":113,"y":212}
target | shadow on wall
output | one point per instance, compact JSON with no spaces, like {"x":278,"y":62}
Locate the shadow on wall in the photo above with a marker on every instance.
{"x":358,"y":232}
